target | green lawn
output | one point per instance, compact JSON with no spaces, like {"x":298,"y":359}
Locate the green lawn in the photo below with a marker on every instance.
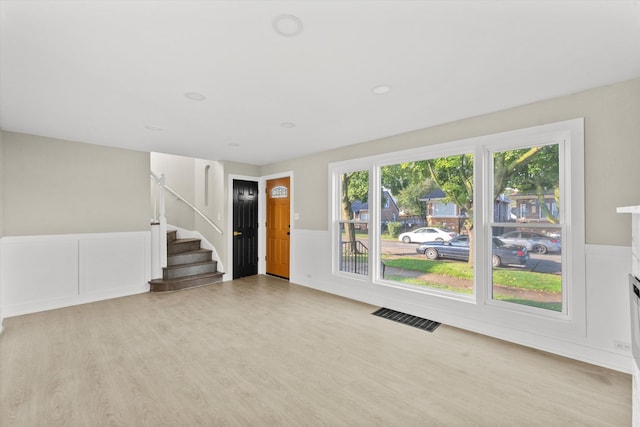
{"x":555,"y":306}
{"x":506,"y":277}
{"x":419,"y":282}
{"x":364,"y":234}
{"x":513,"y":279}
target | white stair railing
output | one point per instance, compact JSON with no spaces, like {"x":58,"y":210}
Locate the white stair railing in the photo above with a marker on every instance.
{"x":159,"y":224}
{"x":196,"y":210}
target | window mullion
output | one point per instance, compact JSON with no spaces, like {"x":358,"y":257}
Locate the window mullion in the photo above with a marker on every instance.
{"x":482,"y":186}
{"x":375,"y":227}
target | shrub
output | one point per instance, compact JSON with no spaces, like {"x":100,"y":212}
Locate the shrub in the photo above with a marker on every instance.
{"x":394,"y":228}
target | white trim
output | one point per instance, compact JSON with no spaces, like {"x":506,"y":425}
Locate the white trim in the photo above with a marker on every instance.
{"x":629,"y":209}
{"x":1,"y":311}
{"x":526,"y":319}
{"x":72,"y":269}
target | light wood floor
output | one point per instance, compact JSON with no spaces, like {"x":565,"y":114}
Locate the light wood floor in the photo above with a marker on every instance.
{"x":262,"y":352}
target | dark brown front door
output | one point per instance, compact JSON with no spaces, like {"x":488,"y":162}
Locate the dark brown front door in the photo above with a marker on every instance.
{"x":278,"y":227}
{"x":245,"y":228}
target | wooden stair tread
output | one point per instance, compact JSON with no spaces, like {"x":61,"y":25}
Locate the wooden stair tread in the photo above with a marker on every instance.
{"x":188,"y":278}
{"x":194,"y":251}
{"x":190,"y":263}
{"x":186,"y":240}
{"x":193,"y":264}
{"x":187,"y":282}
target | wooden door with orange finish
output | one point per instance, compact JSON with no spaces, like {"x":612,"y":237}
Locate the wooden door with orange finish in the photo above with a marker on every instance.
{"x":278,"y":227}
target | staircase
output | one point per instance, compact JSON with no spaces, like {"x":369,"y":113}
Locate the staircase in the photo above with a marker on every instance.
{"x":188,"y":266}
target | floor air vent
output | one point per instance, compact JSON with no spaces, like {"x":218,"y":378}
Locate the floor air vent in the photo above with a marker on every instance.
{"x":407,"y":319}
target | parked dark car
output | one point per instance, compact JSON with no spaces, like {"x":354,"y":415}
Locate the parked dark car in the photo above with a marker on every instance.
{"x":534,"y":242}
{"x":458,"y":248}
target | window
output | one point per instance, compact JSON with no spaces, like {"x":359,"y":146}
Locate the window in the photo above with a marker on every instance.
{"x":523,"y":210}
{"x":532,"y":173}
{"x":444,"y":209}
{"x":206,"y":184}
{"x":353,"y":227}
{"x":553,"y":208}
{"x":502,"y":210}
{"x":413,"y":182}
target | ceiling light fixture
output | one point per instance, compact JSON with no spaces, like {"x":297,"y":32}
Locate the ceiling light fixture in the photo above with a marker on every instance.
{"x":381,"y":89}
{"x":195,"y":96}
{"x":287,"y":25}
{"x":288,"y":125}
{"x":153,"y":128}
{"x":233,"y":144}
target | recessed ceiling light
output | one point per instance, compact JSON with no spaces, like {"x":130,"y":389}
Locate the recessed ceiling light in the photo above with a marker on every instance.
{"x":233,"y":144}
{"x":153,"y":128}
{"x":287,"y":25}
{"x":195,"y":96}
{"x":380,"y":89}
{"x":288,"y":125}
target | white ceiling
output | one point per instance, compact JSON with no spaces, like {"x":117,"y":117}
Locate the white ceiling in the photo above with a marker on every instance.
{"x":116,"y":72}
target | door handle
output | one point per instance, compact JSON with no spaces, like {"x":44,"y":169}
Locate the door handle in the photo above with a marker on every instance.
{"x":237,"y":233}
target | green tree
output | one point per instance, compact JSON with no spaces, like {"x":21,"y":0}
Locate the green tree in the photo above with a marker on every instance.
{"x":529,"y":170}
{"x":398,"y":177}
{"x":409,"y":181}
{"x":409,"y":197}
{"x":454,"y":176}
{"x":354,"y":186}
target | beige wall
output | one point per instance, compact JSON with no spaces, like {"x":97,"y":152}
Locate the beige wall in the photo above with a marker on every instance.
{"x":612,"y":152}
{"x":241,"y":169}
{"x":53,"y":186}
{"x":179,"y":176}
{"x":1,"y":211}
{"x":1,"y":183}
{"x":215,"y":208}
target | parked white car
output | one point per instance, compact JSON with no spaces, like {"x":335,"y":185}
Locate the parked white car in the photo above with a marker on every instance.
{"x":534,"y":242}
{"x":426,"y":234}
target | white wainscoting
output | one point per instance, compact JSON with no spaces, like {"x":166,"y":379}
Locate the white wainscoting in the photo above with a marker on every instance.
{"x":46,"y":272}
{"x":607,"y":304}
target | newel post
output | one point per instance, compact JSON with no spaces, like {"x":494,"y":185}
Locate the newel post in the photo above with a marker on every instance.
{"x":158,"y":229}
{"x":163,"y":225}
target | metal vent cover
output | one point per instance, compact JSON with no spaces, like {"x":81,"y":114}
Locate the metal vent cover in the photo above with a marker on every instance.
{"x":407,"y":319}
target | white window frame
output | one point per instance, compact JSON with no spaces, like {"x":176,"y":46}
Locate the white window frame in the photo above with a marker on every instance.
{"x":571,"y":133}
{"x":335,"y":173}
{"x":523,"y":142}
